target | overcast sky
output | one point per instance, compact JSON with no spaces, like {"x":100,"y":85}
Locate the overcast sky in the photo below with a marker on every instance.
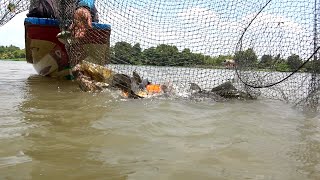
{"x":12,"y":33}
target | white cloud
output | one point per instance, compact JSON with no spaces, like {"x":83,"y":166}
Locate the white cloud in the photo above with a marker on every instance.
{"x":213,"y":29}
{"x":276,"y":34}
{"x":207,"y":29}
{"x":12,"y":33}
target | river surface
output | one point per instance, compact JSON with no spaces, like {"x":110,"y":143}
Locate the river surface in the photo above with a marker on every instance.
{"x":49,"y":129}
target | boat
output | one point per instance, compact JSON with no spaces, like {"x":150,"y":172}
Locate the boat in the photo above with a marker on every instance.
{"x":49,"y":56}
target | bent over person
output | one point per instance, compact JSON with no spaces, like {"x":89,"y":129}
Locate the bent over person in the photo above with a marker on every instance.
{"x":84,"y":13}
{"x":63,"y":33}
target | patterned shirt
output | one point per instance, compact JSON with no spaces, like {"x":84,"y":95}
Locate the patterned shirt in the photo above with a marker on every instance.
{"x":58,"y":9}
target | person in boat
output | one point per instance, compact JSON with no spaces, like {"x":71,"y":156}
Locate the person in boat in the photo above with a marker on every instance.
{"x":84,"y":13}
{"x":55,"y":53}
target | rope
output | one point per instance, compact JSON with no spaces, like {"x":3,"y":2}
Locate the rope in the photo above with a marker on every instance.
{"x":273,"y":84}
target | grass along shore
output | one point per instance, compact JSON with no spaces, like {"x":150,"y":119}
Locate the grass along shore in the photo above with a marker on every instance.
{"x":14,"y":59}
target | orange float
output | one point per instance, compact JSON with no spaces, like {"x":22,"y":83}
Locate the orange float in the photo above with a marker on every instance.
{"x":153,"y":88}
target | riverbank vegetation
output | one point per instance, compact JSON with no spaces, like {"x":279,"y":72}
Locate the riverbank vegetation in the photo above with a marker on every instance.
{"x":169,"y":55}
{"x":12,"y":53}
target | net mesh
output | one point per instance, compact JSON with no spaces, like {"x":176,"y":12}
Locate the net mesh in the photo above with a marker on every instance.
{"x":9,"y":8}
{"x":268,"y":48}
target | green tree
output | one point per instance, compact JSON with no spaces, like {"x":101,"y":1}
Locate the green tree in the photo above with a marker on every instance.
{"x":282,"y":66}
{"x":208,"y":60}
{"x":197,"y":59}
{"x":185,"y":57}
{"x":312,"y":66}
{"x":167,"y":55}
{"x":11,"y":52}
{"x":12,"y":48}
{"x":136,"y":54}
{"x":2,"y":49}
{"x":246,"y":58}
{"x":149,"y":56}
{"x":294,"y":62}
{"x":221,"y":58}
{"x":122,"y":53}
{"x":265,"y":61}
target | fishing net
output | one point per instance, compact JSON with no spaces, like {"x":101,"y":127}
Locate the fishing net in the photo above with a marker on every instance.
{"x":9,"y":8}
{"x":267,"y":48}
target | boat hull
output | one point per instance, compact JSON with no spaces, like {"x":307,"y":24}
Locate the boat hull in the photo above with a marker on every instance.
{"x":50,"y":57}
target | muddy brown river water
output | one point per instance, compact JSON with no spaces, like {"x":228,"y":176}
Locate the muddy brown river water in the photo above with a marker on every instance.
{"x":49,"y":129}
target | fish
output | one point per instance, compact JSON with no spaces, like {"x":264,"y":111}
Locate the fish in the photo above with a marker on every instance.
{"x":11,"y":7}
{"x":198,"y":93}
{"x":124,"y":83}
{"x":136,"y":77}
{"x":135,"y":87}
{"x":92,"y":77}
{"x":65,"y":37}
{"x":221,"y":92}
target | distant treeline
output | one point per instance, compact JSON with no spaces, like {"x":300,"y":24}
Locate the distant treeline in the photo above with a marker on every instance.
{"x":12,"y":52}
{"x":169,"y":55}
{"x":248,"y":58}
{"x":162,"y":55}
